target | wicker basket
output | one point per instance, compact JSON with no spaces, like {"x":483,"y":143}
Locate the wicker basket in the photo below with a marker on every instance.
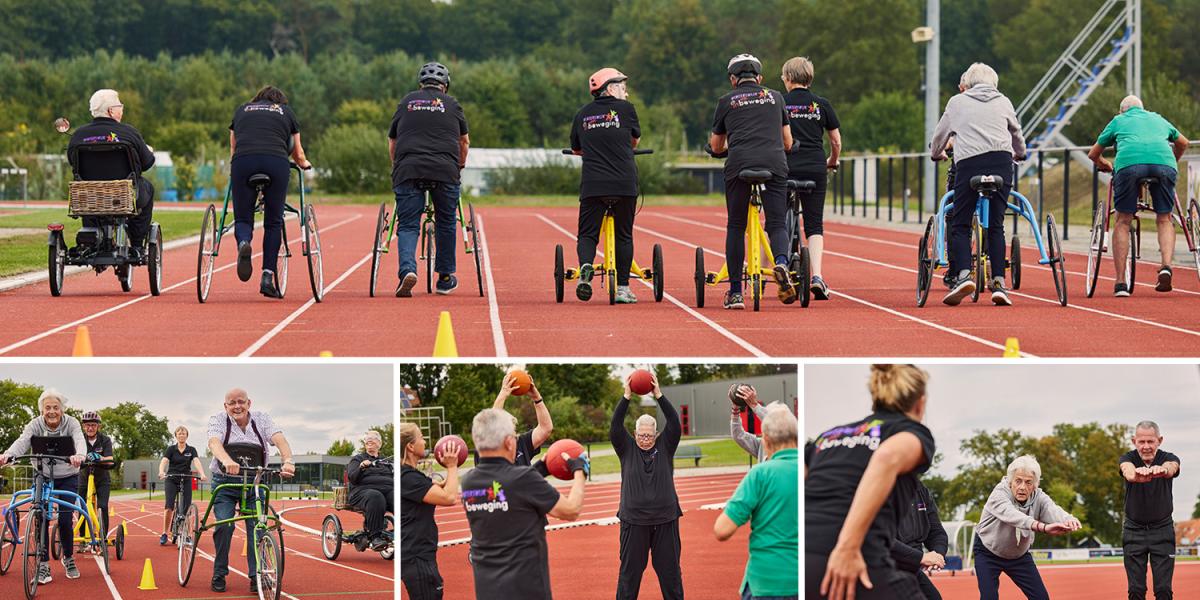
{"x":339,"y":498}
{"x":102,"y":198}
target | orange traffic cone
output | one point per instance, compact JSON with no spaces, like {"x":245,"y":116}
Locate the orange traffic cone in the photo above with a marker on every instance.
{"x":83,"y":342}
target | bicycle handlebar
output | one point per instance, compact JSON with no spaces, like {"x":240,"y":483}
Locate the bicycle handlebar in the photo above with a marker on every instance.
{"x":298,"y":168}
{"x":636,"y":151}
{"x":50,"y":457}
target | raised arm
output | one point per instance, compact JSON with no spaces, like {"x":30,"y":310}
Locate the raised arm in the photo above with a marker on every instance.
{"x":617,"y":434}
{"x":545,"y":425}
{"x":745,"y":440}
{"x":672,"y":429}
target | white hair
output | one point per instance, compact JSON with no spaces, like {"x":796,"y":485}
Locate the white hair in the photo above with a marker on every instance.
{"x":51,"y":394}
{"x":1147,"y":425}
{"x":779,"y":426}
{"x":1131,"y":101}
{"x":647,"y":421}
{"x":490,"y":427}
{"x":979,"y":73}
{"x":1027,"y":464}
{"x":371,"y":433}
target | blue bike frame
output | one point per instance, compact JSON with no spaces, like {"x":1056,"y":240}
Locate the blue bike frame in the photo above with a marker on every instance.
{"x":1023,"y":208}
{"x":48,"y":499}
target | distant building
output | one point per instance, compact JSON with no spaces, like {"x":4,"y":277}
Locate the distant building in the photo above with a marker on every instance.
{"x":1187,"y":533}
{"x":481,"y":161}
{"x":319,"y":471}
{"x":705,"y":407}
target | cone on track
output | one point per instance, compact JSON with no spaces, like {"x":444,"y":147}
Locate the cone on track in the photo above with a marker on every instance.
{"x":83,"y":342}
{"x":244,"y":546}
{"x":1012,"y":348}
{"x":326,"y":354}
{"x":143,"y":509}
{"x":444,"y":346}
{"x":147,"y":577}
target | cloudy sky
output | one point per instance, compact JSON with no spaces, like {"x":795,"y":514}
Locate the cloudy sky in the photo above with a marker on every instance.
{"x":315,"y":404}
{"x":1031,"y":399}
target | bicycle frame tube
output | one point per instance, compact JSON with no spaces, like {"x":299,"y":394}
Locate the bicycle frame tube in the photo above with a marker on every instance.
{"x":607,"y":226}
{"x":1023,"y":208}
{"x":224,"y":213}
{"x":260,"y":510}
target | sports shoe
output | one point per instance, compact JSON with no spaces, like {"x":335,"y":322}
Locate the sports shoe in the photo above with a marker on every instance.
{"x":999,"y":294}
{"x":820,"y":291}
{"x":267,"y":286}
{"x":380,"y":542}
{"x":787,"y":291}
{"x":734,"y":301}
{"x":218,"y":584}
{"x":43,"y":574}
{"x":1121,"y":290}
{"x":162,"y":540}
{"x":583,"y":287}
{"x":407,"y":283}
{"x":68,"y":563}
{"x":446,"y":284}
{"x":948,"y":279}
{"x":625,"y":295}
{"x":1164,"y":279}
{"x":244,"y":268}
{"x":254,"y":585}
{"x":964,"y":286}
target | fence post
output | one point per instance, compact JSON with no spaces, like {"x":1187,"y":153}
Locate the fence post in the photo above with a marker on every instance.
{"x":1041,"y":189}
{"x":921,"y":191}
{"x":904,"y":189}
{"x":878,"y":163}
{"x":854,"y":186}
{"x":1066,"y":220}
{"x":891,"y":200}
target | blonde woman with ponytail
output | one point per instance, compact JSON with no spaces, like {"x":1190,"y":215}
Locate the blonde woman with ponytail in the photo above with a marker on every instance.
{"x":419,"y":496}
{"x":850,"y":511}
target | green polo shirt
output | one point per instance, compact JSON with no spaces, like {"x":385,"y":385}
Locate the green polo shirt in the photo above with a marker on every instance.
{"x":769,"y":497}
{"x":1141,"y":137}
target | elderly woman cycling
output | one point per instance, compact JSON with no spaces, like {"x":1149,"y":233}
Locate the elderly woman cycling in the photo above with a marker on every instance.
{"x":372,"y":478}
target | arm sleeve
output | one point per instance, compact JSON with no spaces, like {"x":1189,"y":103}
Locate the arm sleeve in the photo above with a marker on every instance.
{"x":1172,"y":131}
{"x":394,"y":128}
{"x":269,"y":429}
{"x":943,"y":131}
{"x":719,"y":119}
{"x":21,"y":445}
{"x":542,"y":495}
{"x":144,"y":154}
{"x":414,"y":486}
{"x":783,"y":112}
{"x":1050,"y":512}
{"x":576,"y":144}
{"x":673,"y":429}
{"x":937,"y":540}
{"x":831,"y":120}
{"x":293,"y":122}
{"x":635,"y":128}
{"x":462,"y":119}
{"x":77,"y":435}
{"x":1109,"y":136}
{"x":906,"y":557}
{"x":999,"y":506}
{"x":214,"y":428}
{"x":1175,"y":459}
{"x":744,"y":500}
{"x":747,"y":441}
{"x":354,"y":469}
{"x":1014,"y":127}
{"x":616,"y":431}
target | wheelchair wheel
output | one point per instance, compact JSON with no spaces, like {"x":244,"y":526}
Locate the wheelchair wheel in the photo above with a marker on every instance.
{"x":427,"y":246}
{"x":312,"y":250}
{"x":926,"y":258}
{"x":331,"y":537}
{"x":801,"y":268}
{"x":560,"y":274}
{"x":207,"y":253}
{"x":57,"y":263}
{"x":611,"y":284}
{"x":699,"y":277}
{"x":34,"y":544}
{"x":120,"y":543}
{"x":657,"y":267}
{"x":281,"y":268}
{"x":1135,"y":251}
{"x":1014,"y":262}
{"x":125,"y":276}
{"x":188,"y":540}
{"x":8,"y":541}
{"x":270,"y":568}
{"x":1058,"y":267}
{"x":977,"y":243}
{"x":756,"y":289}
{"x":474,"y":226}
{"x":1096,"y":248}
{"x":383,"y":237}
{"x":154,"y":260}
{"x":55,"y":543}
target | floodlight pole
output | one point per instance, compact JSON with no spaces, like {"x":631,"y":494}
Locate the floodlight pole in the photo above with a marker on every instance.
{"x":932,"y":94}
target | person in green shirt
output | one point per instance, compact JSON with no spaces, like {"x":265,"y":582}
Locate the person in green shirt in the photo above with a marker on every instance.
{"x":1147,"y":146}
{"x":768,"y":497}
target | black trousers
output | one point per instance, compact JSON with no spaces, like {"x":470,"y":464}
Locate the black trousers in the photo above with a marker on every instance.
{"x":1022,"y":571}
{"x":737,"y":203}
{"x":927,"y":588}
{"x":66,"y":520}
{"x":660,"y":541}
{"x":274,"y":197}
{"x":1158,"y":544}
{"x":591,"y":214}
{"x":421,"y":579}
{"x":959,"y":219}
{"x":138,"y":226}
{"x":890,"y":584}
{"x":375,"y":503}
{"x":812,"y":203}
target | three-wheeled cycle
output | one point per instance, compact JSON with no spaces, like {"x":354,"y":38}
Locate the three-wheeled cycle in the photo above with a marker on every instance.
{"x":83,"y":532}
{"x":385,"y":231}
{"x":333,"y":535}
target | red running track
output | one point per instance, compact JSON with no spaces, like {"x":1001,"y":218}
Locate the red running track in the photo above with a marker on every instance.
{"x":872,"y":313}
{"x":307,"y":574}
{"x":1073,"y":582}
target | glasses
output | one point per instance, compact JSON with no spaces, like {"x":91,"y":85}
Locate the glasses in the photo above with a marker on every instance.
{"x":645,"y":436}
{"x":236,"y":402}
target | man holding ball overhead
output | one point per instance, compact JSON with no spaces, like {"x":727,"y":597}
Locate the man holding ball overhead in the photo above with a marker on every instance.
{"x":529,"y":444}
{"x":649,"y":509}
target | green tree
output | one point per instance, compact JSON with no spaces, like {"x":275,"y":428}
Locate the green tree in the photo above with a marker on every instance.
{"x":136,"y":432}
{"x":885,"y":122}
{"x":1196,"y":509}
{"x":356,"y":159}
{"x":590,"y":384}
{"x":387,"y":432}
{"x":18,"y":406}
{"x":341,"y":447}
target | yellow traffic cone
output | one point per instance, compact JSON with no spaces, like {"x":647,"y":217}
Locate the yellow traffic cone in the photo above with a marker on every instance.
{"x":444,"y":346}
{"x":147,"y":577}
{"x":243,"y":546}
{"x":1012,"y":348}
{"x":83,"y":342}
{"x":143,"y":508}
{"x":326,"y":354}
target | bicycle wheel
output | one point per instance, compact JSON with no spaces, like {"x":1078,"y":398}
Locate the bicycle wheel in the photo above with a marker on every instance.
{"x":55,"y":544}
{"x":103,"y":541}
{"x":1135,"y":250}
{"x":1014,"y":262}
{"x":281,"y":268}
{"x":120,"y":543}
{"x":427,"y":247}
{"x":657,"y":267}
{"x":1096,"y":248}
{"x":331,"y":537}
{"x":124,"y":275}
{"x":312,"y":251}
{"x":611,"y":274}
{"x":475,"y":248}
{"x":926,"y":260}
{"x":699,"y":277}
{"x":207,"y":253}
{"x":802,"y":267}
{"x":1058,"y":267}
{"x":560,"y":274}
{"x":270,"y":572}
{"x":980,"y":264}
{"x":383,"y":234}
{"x":154,"y":260}
{"x":1193,"y":230}
{"x":8,"y":541}
{"x":57,"y":263}
{"x":34,"y":545}
{"x":756,"y":290}
{"x":188,"y":541}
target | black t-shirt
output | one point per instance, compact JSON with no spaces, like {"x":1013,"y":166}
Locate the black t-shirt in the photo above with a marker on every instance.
{"x":836,"y":461}
{"x":648,"y":495}
{"x":103,"y":446}
{"x":525,"y":450}
{"x":506,"y":508}
{"x":180,"y":463}
{"x":263,"y":128}
{"x":427,"y":126}
{"x":753,"y":117}
{"x":604,"y":130}
{"x":379,"y":475}
{"x":1149,"y":503}
{"x":102,"y":166}
{"x":418,"y":530}
{"x":810,"y":116}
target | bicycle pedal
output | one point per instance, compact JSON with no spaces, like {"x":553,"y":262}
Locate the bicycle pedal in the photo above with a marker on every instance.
{"x":571,"y":274}
{"x":647,"y":274}
{"x":710,"y":278}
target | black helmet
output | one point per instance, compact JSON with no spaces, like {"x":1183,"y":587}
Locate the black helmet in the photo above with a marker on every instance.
{"x":744,"y":65}
{"x":434,"y":72}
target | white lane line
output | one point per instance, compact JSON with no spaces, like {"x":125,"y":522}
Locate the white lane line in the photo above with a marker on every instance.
{"x":493,"y":306}
{"x":112,"y":587}
{"x":96,"y":315}
{"x":747,"y":346}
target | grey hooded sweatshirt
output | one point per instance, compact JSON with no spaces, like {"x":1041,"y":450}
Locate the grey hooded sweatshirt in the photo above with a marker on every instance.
{"x":980,"y":120}
{"x":1006,"y":526}
{"x":748,"y":441}
{"x":69,"y":427}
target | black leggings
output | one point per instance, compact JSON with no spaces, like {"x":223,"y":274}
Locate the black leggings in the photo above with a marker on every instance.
{"x":591,"y":214}
{"x":421,"y":579}
{"x":375,"y":504}
{"x":737,"y":203}
{"x":959,"y":220}
{"x":812,"y":203}
{"x":274,"y":197}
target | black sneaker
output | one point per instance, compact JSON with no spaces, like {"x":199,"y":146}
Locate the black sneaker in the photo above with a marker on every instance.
{"x":268,"y":286}
{"x":218,"y":584}
{"x":162,"y":540}
{"x":253,"y":585}
{"x":1121,"y":290}
{"x":999,"y":294}
{"x":583,"y":287}
{"x":244,"y":268}
{"x":380,"y":542}
{"x":787,"y":291}
{"x":407,"y":283}
{"x":1164,"y":279}
{"x":734,"y":301}
{"x":819,"y":290}
{"x":963,"y":287}
{"x":948,"y":280}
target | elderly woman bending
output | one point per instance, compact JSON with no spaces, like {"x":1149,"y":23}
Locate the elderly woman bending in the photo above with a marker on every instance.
{"x":1015,"y":512}
{"x":372,"y":478}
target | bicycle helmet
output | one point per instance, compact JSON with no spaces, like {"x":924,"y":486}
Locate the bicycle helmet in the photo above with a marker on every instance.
{"x":434,"y":72}
{"x":744,"y":65}
{"x":90,"y":416}
{"x":600,"y":79}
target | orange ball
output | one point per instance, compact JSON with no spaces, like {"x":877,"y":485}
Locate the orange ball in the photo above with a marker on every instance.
{"x":522,"y":381}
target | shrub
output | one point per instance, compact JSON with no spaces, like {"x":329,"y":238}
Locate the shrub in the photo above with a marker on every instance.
{"x":353,"y":159}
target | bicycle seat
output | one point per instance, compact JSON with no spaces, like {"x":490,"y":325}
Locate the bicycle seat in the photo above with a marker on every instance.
{"x":755,"y":175}
{"x":802,"y":185}
{"x":987,"y":183}
{"x":425,"y":185}
{"x":259,"y":180}
{"x":1147,"y":181}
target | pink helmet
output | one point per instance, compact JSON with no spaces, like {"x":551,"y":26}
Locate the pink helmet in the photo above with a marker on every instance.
{"x":603,"y":77}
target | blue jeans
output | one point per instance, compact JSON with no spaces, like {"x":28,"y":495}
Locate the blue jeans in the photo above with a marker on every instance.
{"x":1125,"y":188}
{"x":410,"y":205}
{"x":225,"y":506}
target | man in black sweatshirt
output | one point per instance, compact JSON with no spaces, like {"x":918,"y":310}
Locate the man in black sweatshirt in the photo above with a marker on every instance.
{"x":649,"y":509}
{"x":918,"y":526}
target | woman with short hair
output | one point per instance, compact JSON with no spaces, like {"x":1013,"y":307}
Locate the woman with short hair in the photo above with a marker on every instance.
{"x":372,"y":478}
{"x":178,"y":459}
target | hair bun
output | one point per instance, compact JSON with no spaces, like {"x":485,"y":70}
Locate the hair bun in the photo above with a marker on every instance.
{"x":883,"y":368}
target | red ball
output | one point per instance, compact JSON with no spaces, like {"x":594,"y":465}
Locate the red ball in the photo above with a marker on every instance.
{"x":439,"y":448}
{"x":522,"y":380}
{"x":554,"y":460}
{"x":641,"y":382}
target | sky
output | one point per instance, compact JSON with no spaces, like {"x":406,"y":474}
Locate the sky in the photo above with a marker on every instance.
{"x":314,"y":404}
{"x":1031,"y":399}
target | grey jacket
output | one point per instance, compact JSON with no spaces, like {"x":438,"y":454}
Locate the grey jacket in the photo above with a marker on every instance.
{"x":69,"y":427}
{"x":1006,"y":526}
{"x":748,"y":441}
{"x":980,"y":120}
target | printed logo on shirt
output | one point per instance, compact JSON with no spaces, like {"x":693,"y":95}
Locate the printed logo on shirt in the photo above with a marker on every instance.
{"x":275,"y":108}
{"x":605,"y":121}
{"x":96,"y":139}
{"x":435,"y":105}
{"x":921,"y":507}
{"x":751,"y":98}
{"x":804,"y":111}
{"x":488,"y":499}
{"x":866,"y":434}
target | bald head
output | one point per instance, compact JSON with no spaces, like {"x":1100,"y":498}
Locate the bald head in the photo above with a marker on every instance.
{"x":237,"y":405}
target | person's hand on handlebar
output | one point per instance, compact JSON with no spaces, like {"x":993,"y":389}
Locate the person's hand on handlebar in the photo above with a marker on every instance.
{"x":1103,"y":164}
{"x":231,"y":467}
{"x":203,"y":477}
{"x":288,"y":470}
{"x":4,"y":460}
{"x":939,"y":157}
{"x":304,"y":164}
{"x":76,"y":460}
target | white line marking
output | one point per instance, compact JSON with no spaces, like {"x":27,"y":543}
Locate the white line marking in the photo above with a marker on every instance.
{"x":493,"y":306}
{"x":112,"y":587}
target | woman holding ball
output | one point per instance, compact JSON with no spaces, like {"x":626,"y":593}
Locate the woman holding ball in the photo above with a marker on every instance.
{"x":419,"y":495}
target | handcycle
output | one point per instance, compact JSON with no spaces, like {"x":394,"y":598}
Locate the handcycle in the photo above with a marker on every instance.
{"x":1102,"y":222}
{"x":109,"y":204}
{"x":385,"y":230}
{"x":931,"y":251}
{"x":262,"y":523}
{"x":607,"y":268}
{"x":179,"y":522}
{"x":42,"y":501}
{"x":211,"y":233}
{"x":333,"y":535}
{"x":83,"y":531}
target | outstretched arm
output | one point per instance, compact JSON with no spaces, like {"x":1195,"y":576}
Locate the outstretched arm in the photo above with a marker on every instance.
{"x":617,"y":434}
{"x":545,"y":425}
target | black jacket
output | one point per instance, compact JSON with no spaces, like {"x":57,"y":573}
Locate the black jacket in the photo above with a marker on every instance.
{"x":919,"y":527}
